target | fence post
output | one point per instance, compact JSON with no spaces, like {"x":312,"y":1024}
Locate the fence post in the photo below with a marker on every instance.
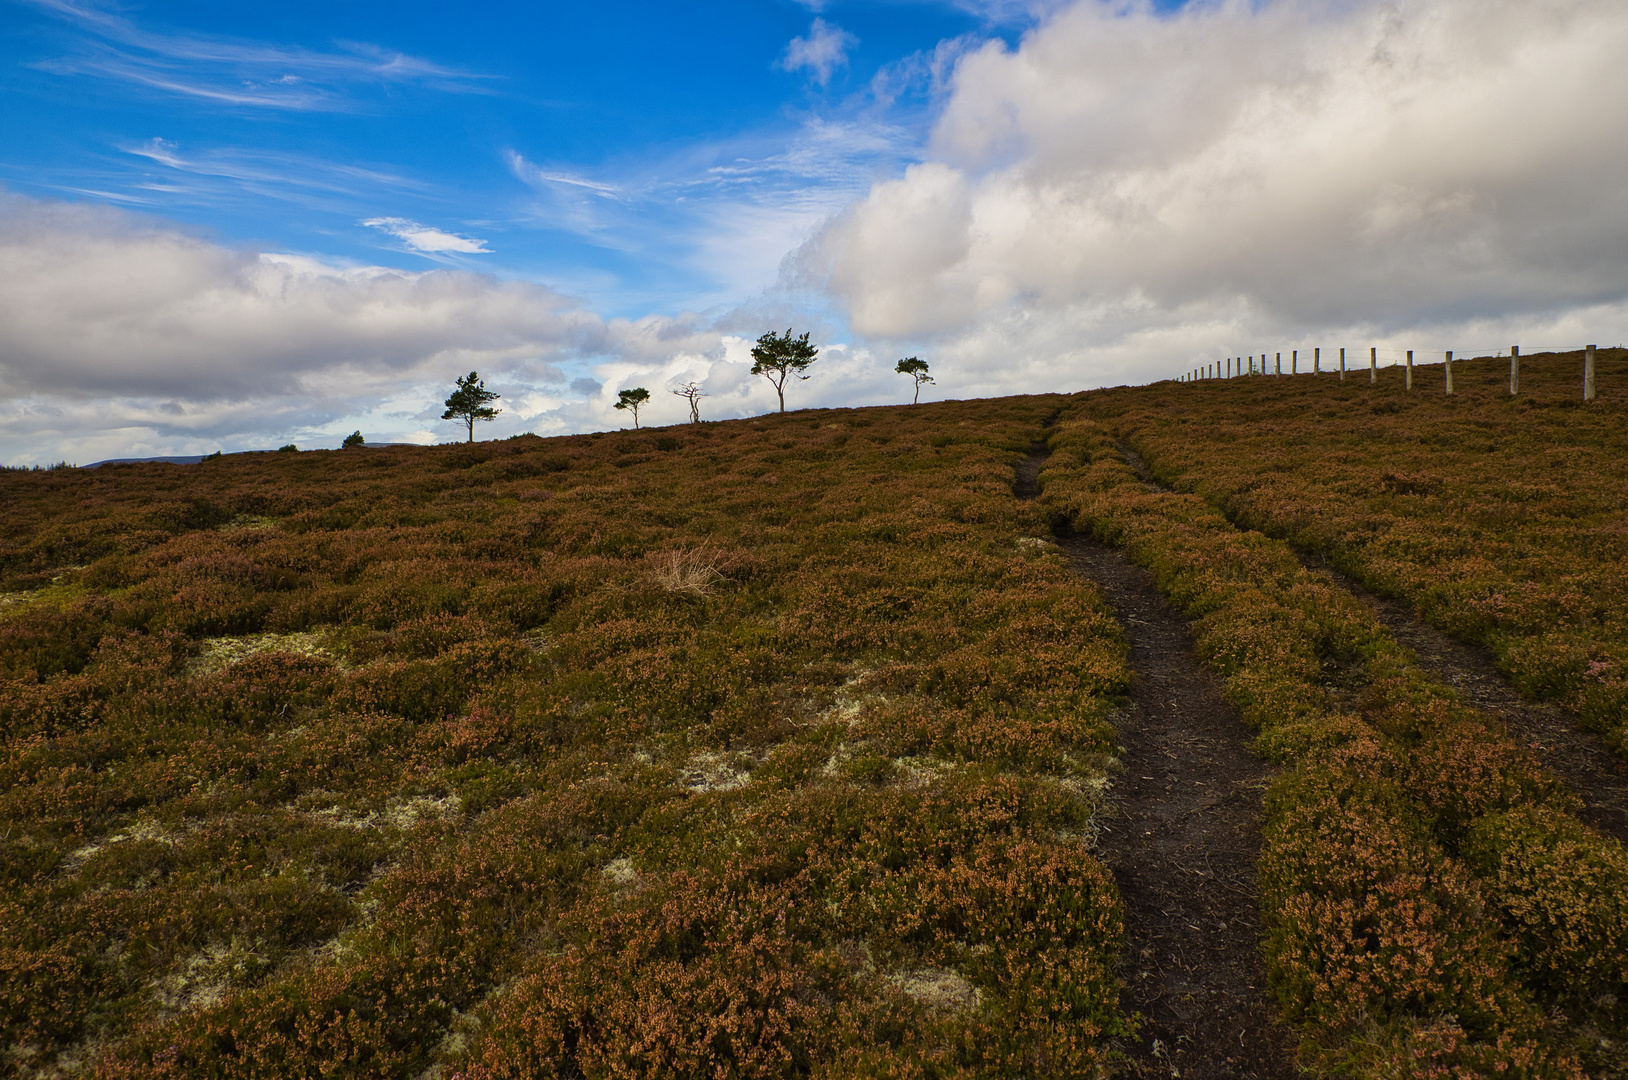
{"x":1317,"y":361}
{"x":1342,"y":365}
{"x":1277,"y":364}
{"x":1449,"y":371}
{"x":1373,"y":364}
{"x":1410,"y":369}
{"x":1588,"y":373}
{"x":1514,"y":370}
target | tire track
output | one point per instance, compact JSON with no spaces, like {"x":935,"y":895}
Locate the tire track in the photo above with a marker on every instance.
{"x":1577,"y":756}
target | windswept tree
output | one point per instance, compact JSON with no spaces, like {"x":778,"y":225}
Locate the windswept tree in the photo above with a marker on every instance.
{"x":353,"y":439}
{"x":469,"y":403}
{"x":691,"y":392}
{"x":916,"y":369}
{"x":633,"y":400}
{"x":778,"y":357}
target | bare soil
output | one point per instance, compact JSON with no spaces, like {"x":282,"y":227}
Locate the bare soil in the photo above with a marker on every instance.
{"x":1182,"y":840}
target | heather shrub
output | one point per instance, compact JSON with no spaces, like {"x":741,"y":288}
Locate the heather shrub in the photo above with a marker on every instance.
{"x":588,"y":754}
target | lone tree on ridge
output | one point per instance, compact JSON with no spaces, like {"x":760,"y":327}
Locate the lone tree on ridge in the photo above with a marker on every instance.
{"x":691,"y":392}
{"x":777,"y":357}
{"x":633,"y":399}
{"x":469,"y":403}
{"x":916,"y":369}
{"x":354,"y":439}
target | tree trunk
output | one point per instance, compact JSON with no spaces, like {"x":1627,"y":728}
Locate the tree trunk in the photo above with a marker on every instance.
{"x":471,"y":429}
{"x":917,"y":399}
{"x":780,"y":389}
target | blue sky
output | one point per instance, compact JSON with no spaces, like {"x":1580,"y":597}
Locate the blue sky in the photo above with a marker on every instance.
{"x":231,"y":226}
{"x":589,"y":146}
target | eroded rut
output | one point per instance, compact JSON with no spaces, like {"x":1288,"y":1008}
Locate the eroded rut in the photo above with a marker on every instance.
{"x":1182,"y":840}
{"x":1578,"y":757}
{"x":1182,"y":843}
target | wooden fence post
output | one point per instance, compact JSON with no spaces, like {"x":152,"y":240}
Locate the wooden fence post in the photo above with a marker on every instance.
{"x":1277,"y":368}
{"x":1373,"y":365}
{"x":1342,"y":365}
{"x":1514,"y":370}
{"x":1410,"y":369}
{"x":1294,"y":362}
{"x":1588,"y":373}
{"x":1317,"y":361}
{"x":1449,"y":371}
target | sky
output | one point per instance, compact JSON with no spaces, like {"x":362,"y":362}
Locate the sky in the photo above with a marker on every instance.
{"x":234,"y":226}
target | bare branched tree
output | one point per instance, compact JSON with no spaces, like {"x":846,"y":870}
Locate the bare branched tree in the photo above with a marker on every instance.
{"x":691,"y":392}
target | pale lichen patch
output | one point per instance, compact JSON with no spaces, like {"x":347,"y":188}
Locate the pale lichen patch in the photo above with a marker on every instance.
{"x":221,"y":653}
{"x":402,"y":814}
{"x":203,"y":979}
{"x":248,"y":522}
{"x":938,"y":989}
{"x":708,"y":771}
{"x":619,"y":874}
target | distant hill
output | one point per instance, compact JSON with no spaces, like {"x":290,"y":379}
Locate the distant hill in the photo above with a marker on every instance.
{"x":191,"y":459}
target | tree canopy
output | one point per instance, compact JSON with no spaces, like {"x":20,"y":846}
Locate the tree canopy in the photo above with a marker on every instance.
{"x":778,"y":357}
{"x":916,"y":369}
{"x":469,"y":403}
{"x":633,"y":400}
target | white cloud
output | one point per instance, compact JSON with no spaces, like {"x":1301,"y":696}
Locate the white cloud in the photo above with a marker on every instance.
{"x":823,"y":51}
{"x":424,"y":238}
{"x":126,"y":336}
{"x":1127,"y":190}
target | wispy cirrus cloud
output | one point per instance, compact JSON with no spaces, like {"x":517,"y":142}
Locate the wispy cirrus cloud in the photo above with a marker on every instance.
{"x":426,"y":239}
{"x":234,"y":71}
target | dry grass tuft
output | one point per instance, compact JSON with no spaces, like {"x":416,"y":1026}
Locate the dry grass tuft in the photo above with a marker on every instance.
{"x":687,"y":571}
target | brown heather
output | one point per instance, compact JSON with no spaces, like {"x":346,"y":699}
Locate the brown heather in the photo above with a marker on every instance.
{"x":757,"y":750}
{"x":774,"y":748}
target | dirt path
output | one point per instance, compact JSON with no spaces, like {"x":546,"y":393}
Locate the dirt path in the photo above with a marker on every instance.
{"x":1027,"y":484}
{"x":1182,"y":841}
{"x":1578,"y":757}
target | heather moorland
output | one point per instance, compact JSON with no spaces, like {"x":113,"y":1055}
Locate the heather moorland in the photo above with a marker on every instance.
{"x":781,"y":747}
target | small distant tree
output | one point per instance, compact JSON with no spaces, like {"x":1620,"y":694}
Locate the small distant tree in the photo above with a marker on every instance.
{"x":353,"y":439}
{"x":777,"y":357}
{"x":916,"y":369}
{"x":289,"y":449}
{"x":633,"y":400}
{"x":469,"y":403}
{"x":692,"y":393}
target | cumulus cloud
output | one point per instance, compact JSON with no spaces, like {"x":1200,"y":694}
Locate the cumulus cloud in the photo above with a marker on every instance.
{"x":424,"y":238}
{"x":123,"y":335}
{"x":98,"y":301}
{"x":1131,"y":188}
{"x":823,"y":51}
